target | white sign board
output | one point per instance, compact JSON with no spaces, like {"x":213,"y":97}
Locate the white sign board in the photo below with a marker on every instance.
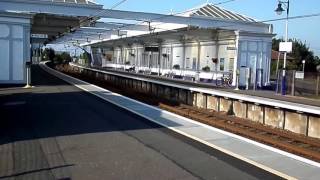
{"x":40,"y":36}
{"x":299,"y":75}
{"x":285,"y":47}
{"x":122,"y":33}
{"x":229,"y":48}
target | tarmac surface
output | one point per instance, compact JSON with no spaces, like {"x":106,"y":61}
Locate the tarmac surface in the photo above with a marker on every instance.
{"x":57,"y":131}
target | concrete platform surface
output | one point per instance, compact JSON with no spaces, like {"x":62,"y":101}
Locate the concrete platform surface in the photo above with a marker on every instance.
{"x":273,"y":160}
{"x":56,"y":131}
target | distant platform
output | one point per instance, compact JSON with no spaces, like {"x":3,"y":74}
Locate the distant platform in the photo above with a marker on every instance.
{"x":266,"y":97}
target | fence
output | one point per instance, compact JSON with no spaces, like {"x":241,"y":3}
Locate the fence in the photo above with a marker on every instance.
{"x":300,"y":84}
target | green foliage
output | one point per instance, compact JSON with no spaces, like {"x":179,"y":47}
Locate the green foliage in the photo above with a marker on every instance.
{"x":62,"y":58}
{"x":300,"y":51}
{"x":317,"y":61}
{"x":48,"y":54}
{"x":127,"y":62}
{"x":57,"y":59}
{"x":86,"y":57}
{"x":66,"y":57}
{"x":206,"y":69}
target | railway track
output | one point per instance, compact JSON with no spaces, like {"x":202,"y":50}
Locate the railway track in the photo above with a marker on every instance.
{"x":285,"y":140}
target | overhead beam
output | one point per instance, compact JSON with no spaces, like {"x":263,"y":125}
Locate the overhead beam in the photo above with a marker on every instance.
{"x":85,"y":33}
{"x":92,"y":30}
{"x":49,"y":29}
{"x":49,"y":7}
{"x":92,"y":10}
{"x":87,"y":36}
{"x":75,"y":38}
{"x":99,"y":31}
{"x":54,"y":21}
{"x":88,"y":33}
{"x":204,"y":22}
{"x":121,"y":26}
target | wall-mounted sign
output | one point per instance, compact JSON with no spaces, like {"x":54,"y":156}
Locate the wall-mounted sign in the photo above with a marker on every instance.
{"x":285,"y":47}
{"x":40,"y":36}
{"x":229,"y":48}
{"x":299,"y":75}
{"x":152,"y":49}
{"x":122,"y":33}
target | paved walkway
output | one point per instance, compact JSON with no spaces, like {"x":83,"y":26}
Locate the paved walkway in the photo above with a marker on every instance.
{"x":276,"y":161}
{"x":57,"y":131}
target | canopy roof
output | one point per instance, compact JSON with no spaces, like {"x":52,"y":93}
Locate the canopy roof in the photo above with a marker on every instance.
{"x":210,"y":10}
{"x":90,"y":2}
{"x":187,"y":34}
{"x":66,"y":18}
{"x":65,"y":2}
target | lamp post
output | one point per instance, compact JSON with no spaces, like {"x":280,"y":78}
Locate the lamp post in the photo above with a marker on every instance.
{"x":279,"y":11}
{"x":303,"y":65}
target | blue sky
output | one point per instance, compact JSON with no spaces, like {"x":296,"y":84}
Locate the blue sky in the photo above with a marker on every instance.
{"x":304,"y":29}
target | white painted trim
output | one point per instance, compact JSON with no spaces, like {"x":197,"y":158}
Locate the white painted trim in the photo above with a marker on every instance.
{"x":56,"y":3}
{"x":20,"y":20}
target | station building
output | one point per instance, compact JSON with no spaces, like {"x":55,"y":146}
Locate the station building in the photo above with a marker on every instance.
{"x":206,"y":42}
{"x":26,"y":24}
{"x":14,"y":46}
{"x":186,"y":51}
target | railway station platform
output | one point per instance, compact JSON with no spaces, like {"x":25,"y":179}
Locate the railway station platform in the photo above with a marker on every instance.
{"x":273,"y":160}
{"x":258,"y":93}
{"x":56,"y":131}
{"x":298,"y":115}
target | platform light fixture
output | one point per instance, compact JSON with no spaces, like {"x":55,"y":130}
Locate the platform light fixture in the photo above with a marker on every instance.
{"x":279,"y":11}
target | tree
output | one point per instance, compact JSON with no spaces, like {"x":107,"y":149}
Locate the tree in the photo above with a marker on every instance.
{"x":300,"y":52}
{"x":62,"y":58}
{"x":66,"y":57}
{"x":48,"y":54}
{"x":275,"y":43}
{"x":57,"y":59}
{"x":87,"y":58}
